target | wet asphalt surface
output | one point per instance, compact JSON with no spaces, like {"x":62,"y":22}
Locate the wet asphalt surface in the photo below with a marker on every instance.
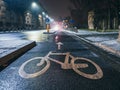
{"x":56,"y":78}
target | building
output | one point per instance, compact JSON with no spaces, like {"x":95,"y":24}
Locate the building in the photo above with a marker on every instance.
{"x":17,"y":14}
{"x":2,"y":14}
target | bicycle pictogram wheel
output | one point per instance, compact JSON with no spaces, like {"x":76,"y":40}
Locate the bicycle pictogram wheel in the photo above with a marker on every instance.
{"x":42,"y":60}
{"x":97,"y":75}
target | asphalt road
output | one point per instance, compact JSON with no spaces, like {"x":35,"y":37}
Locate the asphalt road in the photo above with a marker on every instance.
{"x":55,"y":77}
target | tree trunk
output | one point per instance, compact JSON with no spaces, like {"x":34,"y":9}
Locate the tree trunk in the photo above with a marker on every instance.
{"x":118,"y":37}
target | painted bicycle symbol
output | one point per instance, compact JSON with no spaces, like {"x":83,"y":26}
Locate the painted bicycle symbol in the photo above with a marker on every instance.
{"x":45,"y":64}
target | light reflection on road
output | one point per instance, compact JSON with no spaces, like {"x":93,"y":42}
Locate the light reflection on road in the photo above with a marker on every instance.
{"x":37,"y":36}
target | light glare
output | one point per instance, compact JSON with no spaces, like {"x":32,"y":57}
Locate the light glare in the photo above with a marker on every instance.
{"x":34,"y":5}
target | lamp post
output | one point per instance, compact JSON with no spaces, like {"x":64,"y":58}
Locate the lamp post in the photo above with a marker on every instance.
{"x":44,"y":18}
{"x":34,"y":7}
{"x":37,"y":15}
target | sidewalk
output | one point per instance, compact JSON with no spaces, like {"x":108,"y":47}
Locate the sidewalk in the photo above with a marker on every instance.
{"x":105,"y":41}
{"x":12,"y":46}
{"x":11,"y":49}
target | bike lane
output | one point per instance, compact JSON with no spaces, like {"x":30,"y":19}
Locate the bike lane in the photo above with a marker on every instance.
{"x":56,"y":78}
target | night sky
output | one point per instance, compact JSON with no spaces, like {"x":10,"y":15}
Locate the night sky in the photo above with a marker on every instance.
{"x":57,"y":8}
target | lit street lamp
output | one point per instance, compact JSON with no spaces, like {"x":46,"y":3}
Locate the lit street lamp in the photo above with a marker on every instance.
{"x":47,"y":16}
{"x":34,"y":5}
{"x":36,"y":17}
{"x":43,"y":13}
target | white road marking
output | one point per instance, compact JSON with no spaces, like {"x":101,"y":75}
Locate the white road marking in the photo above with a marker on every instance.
{"x":97,"y":75}
{"x":59,"y":45}
{"x":24,"y":74}
{"x":64,"y":65}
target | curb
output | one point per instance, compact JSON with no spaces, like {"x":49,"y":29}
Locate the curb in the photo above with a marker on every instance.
{"x":15,"y":54}
{"x":109,"y":49}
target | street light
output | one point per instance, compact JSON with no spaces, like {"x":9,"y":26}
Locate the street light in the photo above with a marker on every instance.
{"x":43,"y":13}
{"x":47,"y":16}
{"x":34,"y":5}
{"x":51,"y":19}
{"x":35,"y":13}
